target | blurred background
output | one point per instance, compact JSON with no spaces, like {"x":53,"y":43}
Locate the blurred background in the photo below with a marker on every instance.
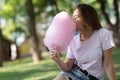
{"x":23,"y":24}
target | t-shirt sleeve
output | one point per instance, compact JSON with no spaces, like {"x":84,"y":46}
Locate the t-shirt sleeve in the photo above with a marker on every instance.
{"x":70,"y":54}
{"x":107,"y":40}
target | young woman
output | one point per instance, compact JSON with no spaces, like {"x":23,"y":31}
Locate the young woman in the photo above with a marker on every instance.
{"x":91,"y":49}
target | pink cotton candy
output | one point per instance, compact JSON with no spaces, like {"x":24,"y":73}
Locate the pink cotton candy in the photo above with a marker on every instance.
{"x":60,"y":32}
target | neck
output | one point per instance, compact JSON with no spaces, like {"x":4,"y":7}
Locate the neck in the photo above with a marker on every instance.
{"x":86,"y":34}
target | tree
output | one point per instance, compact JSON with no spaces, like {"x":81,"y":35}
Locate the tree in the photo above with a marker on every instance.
{"x":53,"y":4}
{"x":1,"y":61}
{"x":1,"y":38}
{"x":36,"y":54}
{"x":14,"y":15}
{"x":115,"y":27}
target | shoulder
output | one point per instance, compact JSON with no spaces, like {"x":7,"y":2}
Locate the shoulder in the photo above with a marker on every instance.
{"x":104,"y":31}
{"x":106,"y":39}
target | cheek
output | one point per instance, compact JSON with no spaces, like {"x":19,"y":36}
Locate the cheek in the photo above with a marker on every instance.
{"x":78,"y":22}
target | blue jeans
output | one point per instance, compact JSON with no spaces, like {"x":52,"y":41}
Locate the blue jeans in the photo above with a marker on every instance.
{"x":75,"y":74}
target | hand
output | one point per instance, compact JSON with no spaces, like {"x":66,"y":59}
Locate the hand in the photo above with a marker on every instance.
{"x":54,"y":55}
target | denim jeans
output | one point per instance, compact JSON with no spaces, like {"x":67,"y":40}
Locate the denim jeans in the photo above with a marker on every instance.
{"x":75,"y":74}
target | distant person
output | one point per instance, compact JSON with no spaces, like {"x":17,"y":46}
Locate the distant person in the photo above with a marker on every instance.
{"x":90,"y":52}
{"x":13,"y":51}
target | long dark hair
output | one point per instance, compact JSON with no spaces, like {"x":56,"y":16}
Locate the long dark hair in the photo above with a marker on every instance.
{"x":90,"y":16}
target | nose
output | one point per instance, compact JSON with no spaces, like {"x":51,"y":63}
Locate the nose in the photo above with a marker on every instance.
{"x":74,"y":17}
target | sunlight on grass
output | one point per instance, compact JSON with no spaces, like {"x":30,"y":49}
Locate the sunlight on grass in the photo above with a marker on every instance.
{"x":117,"y":65}
{"x":118,"y":74}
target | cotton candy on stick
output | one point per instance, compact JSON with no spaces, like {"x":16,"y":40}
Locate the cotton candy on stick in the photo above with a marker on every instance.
{"x":60,"y":32}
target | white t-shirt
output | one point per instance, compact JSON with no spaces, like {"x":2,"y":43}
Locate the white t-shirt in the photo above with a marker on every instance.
{"x":88,"y":54}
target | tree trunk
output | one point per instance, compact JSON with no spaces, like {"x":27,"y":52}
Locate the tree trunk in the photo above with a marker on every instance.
{"x":36,"y":53}
{"x":1,"y":61}
{"x":116,"y":35}
{"x":117,"y":23}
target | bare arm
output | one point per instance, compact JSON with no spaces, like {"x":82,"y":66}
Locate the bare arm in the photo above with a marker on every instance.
{"x":108,"y":64}
{"x":63,"y":65}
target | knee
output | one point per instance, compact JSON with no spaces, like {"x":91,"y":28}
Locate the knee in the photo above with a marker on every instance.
{"x":61,"y":77}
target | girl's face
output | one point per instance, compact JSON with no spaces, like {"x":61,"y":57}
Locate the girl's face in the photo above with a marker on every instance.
{"x":78,"y":19}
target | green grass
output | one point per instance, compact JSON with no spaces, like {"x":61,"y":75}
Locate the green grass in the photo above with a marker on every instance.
{"x":116,"y":58}
{"x":25,"y":69}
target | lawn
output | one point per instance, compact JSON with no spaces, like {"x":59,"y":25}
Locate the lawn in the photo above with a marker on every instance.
{"x":25,"y":69}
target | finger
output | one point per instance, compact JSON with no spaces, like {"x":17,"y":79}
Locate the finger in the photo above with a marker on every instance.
{"x":53,"y":55}
{"x":53,"y":51}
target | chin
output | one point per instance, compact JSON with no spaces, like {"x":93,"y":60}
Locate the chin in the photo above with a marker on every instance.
{"x":77,"y":29}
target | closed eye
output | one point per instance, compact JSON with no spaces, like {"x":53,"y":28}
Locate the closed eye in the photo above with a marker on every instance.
{"x":76,"y":16}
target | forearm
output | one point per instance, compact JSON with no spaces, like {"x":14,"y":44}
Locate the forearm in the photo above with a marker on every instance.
{"x":62,"y":65}
{"x":109,"y":69}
